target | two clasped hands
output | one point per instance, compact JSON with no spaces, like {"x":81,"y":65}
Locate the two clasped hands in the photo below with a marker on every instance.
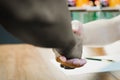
{"x":71,"y":63}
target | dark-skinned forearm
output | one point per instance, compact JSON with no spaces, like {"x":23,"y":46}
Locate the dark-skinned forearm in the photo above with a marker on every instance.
{"x":46,"y":25}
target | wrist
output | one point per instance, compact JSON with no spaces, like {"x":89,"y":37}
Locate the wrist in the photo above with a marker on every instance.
{"x":66,"y":51}
{"x":73,"y":50}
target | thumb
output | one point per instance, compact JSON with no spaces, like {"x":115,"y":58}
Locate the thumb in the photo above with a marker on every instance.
{"x":77,"y":27}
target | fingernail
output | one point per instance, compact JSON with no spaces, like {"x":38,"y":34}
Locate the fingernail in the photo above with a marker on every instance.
{"x":79,"y":62}
{"x":82,"y":61}
{"x":76,"y":62}
{"x":63,"y":59}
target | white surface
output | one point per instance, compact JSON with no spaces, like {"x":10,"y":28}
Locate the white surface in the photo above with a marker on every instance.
{"x":93,"y":66}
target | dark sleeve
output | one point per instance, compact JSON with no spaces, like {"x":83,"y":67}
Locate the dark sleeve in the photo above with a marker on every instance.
{"x":44,"y":23}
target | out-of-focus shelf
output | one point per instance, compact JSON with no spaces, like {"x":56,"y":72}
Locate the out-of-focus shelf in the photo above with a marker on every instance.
{"x":94,"y":9}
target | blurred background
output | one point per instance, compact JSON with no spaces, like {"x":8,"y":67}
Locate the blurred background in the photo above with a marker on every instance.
{"x":89,"y":10}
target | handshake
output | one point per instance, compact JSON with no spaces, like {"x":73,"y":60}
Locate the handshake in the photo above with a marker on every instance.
{"x":70,"y":59}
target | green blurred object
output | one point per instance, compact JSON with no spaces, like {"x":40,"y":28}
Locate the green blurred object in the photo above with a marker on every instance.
{"x":85,"y":17}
